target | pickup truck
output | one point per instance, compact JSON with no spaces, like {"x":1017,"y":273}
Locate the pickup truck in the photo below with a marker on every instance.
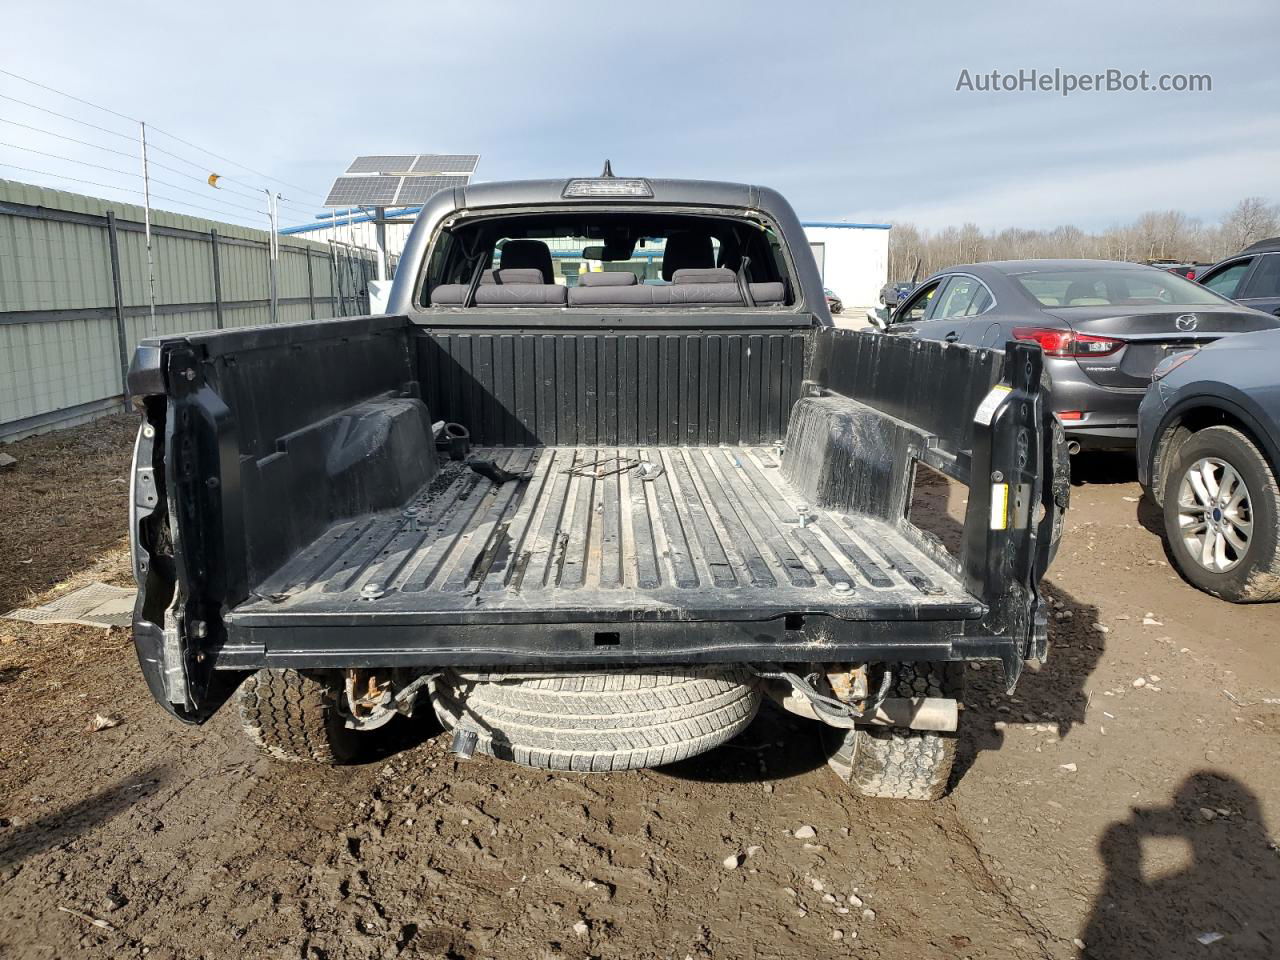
{"x":590,"y":525}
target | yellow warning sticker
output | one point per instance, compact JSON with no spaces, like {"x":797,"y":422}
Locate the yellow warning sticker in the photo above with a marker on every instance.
{"x":986,"y":411}
{"x":999,"y":506}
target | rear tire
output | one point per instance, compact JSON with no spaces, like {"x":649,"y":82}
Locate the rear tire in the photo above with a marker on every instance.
{"x":599,"y":721}
{"x":898,"y":763}
{"x":1251,"y":575}
{"x":294,"y":717}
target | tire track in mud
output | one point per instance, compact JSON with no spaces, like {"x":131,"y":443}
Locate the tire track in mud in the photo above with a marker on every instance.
{"x":987,"y":879}
{"x":228,"y":855}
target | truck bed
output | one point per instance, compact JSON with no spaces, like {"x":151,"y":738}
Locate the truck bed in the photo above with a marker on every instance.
{"x":718,"y":534}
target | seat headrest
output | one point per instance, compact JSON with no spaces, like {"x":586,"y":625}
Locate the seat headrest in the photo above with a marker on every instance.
{"x":710,"y":275}
{"x":533,"y":254}
{"x":616,"y":278}
{"x":1079,"y":290}
{"x":512,"y":275}
{"x":687,"y":251}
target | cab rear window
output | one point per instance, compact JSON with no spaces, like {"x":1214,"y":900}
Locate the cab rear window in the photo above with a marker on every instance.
{"x":609,"y":259}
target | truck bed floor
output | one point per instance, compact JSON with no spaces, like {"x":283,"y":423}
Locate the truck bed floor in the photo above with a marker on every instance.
{"x":718,"y":534}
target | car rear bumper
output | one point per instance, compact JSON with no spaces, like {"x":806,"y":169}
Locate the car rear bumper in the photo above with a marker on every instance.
{"x":1108,"y":417}
{"x":1103,"y":437}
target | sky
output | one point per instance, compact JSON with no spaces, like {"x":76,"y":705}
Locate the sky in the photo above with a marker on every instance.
{"x":850,"y":109}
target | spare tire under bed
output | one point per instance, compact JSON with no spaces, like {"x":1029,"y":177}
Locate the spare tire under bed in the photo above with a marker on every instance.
{"x":598,"y":721}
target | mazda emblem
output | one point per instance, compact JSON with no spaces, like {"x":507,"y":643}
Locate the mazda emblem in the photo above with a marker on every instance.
{"x":1186,"y":322}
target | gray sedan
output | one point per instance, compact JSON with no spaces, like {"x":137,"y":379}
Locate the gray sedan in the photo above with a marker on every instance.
{"x":1208,"y":450}
{"x":1103,"y":326}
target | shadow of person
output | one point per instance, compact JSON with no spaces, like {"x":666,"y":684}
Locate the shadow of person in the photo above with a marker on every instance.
{"x":1103,"y":467}
{"x":1198,"y":875}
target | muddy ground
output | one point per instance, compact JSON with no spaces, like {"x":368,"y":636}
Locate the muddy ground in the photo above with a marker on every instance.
{"x":1126,"y":799}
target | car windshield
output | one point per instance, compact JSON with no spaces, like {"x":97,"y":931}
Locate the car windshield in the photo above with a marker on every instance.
{"x":1112,"y":286}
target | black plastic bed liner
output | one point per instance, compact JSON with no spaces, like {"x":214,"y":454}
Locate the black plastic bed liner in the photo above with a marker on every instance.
{"x":716,"y":535}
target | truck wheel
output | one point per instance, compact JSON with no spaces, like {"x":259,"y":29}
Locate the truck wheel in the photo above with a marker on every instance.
{"x":598,"y":721}
{"x":895,"y":762}
{"x":292,"y":716}
{"x":1220,"y":516}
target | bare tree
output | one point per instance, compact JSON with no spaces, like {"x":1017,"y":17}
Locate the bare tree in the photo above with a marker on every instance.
{"x":1157,"y":234}
{"x":1250,"y":220}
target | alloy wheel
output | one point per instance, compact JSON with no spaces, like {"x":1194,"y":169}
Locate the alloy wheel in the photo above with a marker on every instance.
{"x":1215,"y":514}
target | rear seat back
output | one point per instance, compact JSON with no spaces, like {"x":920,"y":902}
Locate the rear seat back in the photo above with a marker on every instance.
{"x":713,"y":286}
{"x":524,"y":278}
{"x":507,"y":286}
{"x":612,"y":278}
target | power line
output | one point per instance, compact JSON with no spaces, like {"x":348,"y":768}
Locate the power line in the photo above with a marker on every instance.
{"x":64,"y":116}
{"x":154,"y":129}
{"x":69,"y":96}
{"x":118,"y":153}
{"x":152,"y":148}
{"x":131,"y":174}
{"x":217,"y":156}
{"x":62,"y":136}
{"x":113,"y":186}
{"x":94,"y":126}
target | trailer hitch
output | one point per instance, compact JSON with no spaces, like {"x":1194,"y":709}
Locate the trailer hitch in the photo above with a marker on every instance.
{"x":828,"y":709}
{"x":915,"y":713}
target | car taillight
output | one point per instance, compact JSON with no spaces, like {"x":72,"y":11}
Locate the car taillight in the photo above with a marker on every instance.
{"x":1170,"y":364}
{"x":1066,"y":343}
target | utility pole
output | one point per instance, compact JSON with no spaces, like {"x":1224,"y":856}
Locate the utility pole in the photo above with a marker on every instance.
{"x":146,"y":221}
{"x":274,"y":252}
{"x":380,"y":235}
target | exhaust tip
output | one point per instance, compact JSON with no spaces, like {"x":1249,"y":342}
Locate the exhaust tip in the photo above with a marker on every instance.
{"x":1073,"y":447}
{"x":464,"y":742}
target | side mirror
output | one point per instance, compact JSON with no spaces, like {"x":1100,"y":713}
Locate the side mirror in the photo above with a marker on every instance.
{"x":878,"y":320}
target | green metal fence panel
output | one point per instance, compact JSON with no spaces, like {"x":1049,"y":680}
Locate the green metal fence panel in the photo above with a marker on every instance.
{"x":64,"y":341}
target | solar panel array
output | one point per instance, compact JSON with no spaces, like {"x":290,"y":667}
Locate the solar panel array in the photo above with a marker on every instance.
{"x":382,"y":164}
{"x":464,"y":163}
{"x":363,"y":191}
{"x":419,"y":189}
{"x":386,"y":180}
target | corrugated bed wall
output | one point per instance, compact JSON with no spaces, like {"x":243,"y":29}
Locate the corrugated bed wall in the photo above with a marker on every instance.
{"x":65,"y":335}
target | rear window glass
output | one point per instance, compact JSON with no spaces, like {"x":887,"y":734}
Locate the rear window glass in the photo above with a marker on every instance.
{"x":1113,"y":287}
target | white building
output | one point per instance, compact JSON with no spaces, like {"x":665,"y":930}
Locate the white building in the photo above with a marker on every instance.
{"x":853,"y":259}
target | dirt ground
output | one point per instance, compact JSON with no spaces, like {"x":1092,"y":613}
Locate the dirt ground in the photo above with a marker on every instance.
{"x":1124,"y":804}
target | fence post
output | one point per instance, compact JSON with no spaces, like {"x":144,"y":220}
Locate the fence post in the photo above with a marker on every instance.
{"x":117,"y":291}
{"x":333,"y":281}
{"x":217,"y":278}
{"x":311,"y":292}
